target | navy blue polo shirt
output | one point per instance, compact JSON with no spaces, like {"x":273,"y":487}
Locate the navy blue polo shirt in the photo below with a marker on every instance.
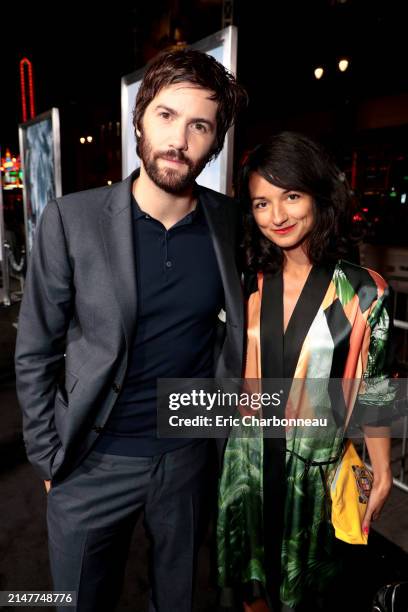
{"x":180,"y":294}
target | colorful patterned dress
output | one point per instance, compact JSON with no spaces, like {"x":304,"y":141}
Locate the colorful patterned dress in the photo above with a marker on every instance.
{"x":274,"y":534}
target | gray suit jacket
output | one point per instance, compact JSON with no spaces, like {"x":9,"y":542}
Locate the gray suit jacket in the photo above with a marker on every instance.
{"x":78,"y":316}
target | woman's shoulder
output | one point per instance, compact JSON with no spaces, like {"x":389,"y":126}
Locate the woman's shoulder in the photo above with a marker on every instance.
{"x":362,"y":278}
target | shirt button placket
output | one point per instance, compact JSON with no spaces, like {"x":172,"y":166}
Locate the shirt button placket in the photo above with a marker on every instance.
{"x":167,"y":262}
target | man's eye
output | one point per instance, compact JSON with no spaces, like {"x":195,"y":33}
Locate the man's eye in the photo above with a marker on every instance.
{"x":200,"y":127}
{"x":164,"y":115}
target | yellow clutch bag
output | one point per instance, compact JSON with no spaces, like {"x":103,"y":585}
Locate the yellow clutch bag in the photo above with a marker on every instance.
{"x":349,"y":491}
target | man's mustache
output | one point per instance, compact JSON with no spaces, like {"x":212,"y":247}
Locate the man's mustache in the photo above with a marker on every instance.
{"x":176,"y":155}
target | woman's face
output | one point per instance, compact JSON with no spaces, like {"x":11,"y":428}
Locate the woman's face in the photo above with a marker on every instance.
{"x":284,"y":217}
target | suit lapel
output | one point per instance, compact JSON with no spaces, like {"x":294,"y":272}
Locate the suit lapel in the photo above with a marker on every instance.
{"x":117,"y":232}
{"x":225,"y":253}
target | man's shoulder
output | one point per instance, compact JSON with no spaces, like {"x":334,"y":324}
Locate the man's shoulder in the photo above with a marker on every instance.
{"x":216,"y":198}
{"x":94,"y":199}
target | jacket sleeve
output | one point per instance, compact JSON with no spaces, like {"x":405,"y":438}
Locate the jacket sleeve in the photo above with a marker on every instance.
{"x":375,"y":402}
{"x":44,"y":316}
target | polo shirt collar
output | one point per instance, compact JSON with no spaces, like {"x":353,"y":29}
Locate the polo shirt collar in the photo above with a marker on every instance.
{"x":195,"y":216}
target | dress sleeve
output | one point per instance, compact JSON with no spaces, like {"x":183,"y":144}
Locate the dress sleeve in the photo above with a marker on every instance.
{"x":377,"y":392}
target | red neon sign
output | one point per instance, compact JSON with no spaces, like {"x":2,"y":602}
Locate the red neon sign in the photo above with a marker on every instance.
{"x":26,"y":62}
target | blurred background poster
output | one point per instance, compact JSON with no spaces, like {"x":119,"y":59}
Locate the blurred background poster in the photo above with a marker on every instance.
{"x":40,"y":155}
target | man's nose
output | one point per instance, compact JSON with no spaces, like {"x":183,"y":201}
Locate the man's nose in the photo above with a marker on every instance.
{"x":178,"y":137}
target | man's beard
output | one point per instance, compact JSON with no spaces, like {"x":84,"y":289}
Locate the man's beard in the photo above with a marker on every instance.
{"x":170,"y":180}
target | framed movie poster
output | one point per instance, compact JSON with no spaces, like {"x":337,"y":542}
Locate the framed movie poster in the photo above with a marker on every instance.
{"x":41,"y":164}
{"x":217,"y":174}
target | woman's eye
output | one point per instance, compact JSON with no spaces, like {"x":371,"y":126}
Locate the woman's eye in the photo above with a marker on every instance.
{"x":260,"y":205}
{"x":293,"y":196}
{"x":164,"y":115}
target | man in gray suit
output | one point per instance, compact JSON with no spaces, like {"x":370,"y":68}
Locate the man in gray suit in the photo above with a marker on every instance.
{"x":124,"y":287}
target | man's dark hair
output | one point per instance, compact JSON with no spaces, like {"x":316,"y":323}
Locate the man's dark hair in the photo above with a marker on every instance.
{"x":293,"y":161}
{"x":202,"y":70}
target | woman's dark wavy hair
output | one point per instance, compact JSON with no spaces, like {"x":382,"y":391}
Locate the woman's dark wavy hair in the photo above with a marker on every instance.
{"x":293,"y":161}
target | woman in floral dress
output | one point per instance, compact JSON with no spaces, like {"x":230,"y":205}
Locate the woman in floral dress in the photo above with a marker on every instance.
{"x":311,"y":316}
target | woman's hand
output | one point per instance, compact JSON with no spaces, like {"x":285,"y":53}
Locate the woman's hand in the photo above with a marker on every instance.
{"x":47,"y":484}
{"x":378,"y":444}
{"x":379,"y":493}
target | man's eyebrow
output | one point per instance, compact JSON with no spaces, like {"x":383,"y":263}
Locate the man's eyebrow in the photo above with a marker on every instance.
{"x":167,"y":109}
{"x":175,"y":114}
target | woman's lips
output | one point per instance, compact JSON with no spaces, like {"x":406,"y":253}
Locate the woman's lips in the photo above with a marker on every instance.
{"x":285,"y":230}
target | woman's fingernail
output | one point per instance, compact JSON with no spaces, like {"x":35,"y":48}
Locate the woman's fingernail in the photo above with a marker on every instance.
{"x":365,"y":530}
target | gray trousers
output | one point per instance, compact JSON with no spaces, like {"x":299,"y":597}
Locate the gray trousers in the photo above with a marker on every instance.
{"x":91,"y":515}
